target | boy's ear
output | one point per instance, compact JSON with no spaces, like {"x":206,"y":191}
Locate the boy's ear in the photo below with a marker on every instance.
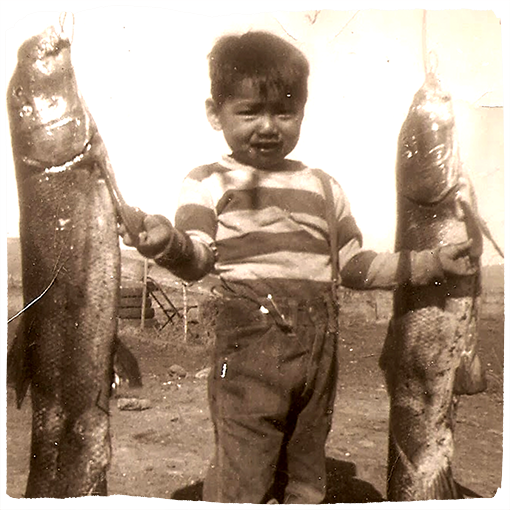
{"x":212,"y":112}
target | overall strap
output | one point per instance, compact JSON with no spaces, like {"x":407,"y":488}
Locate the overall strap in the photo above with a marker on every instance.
{"x":331,"y":219}
{"x":333,"y":242}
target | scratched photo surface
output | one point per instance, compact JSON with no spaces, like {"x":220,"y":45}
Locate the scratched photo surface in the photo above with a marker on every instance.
{"x":134,"y":80}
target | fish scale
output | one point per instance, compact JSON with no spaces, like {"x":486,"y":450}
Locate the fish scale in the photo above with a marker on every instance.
{"x":70,"y":252}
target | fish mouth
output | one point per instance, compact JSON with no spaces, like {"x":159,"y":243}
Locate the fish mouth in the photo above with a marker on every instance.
{"x":58,"y":123}
{"x":435,"y":179}
{"x":54,"y":142}
{"x":430,"y":200}
{"x":54,"y":168}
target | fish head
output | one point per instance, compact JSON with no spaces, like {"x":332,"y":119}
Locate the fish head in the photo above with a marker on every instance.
{"x":428,"y":156}
{"x":48,"y":118}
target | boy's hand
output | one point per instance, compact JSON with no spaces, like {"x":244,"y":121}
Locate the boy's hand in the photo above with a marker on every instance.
{"x":155,"y":235}
{"x":454,"y":259}
{"x":130,"y":224}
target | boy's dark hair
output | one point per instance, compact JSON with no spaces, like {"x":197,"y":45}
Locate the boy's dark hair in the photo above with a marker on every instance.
{"x":274,"y":66}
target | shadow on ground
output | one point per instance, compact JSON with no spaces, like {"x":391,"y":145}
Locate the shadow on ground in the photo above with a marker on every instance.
{"x":342,"y":486}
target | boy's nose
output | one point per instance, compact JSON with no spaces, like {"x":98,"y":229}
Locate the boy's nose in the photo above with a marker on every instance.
{"x":267,"y":124}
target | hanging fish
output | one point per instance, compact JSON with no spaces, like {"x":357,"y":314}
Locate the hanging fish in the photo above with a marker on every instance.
{"x":430,"y":353}
{"x":70,"y":271}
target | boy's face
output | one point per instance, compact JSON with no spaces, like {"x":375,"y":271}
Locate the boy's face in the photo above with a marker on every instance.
{"x":261,"y":131}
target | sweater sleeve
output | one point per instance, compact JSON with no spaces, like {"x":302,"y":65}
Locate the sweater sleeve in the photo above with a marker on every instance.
{"x":366,"y":269}
{"x":191,"y":253}
{"x":187,"y":257}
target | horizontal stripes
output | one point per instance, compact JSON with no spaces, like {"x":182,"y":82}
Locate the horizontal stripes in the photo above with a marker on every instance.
{"x":285,"y":265}
{"x":259,"y":198}
{"x":199,"y":192}
{"x":196,"y":218}
{"x":201,"y":173}
{"x":265,"y":224}
{"x":270,"y":220}
{"x":347,"y":230}
{"x":259,"y":243}
{"x":355,"y":271}
{"x":200,"y":236}
{"x":271,"y":232}
{"x":215,"y":180}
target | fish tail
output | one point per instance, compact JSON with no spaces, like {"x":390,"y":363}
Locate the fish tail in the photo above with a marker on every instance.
{"x":444,"y":486}
{"x":405,"y":483}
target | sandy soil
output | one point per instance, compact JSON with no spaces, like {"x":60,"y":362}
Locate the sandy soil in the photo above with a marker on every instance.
{"x":163,"y":451}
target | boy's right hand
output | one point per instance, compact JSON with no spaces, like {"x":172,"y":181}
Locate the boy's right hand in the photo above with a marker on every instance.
{"x":155,"y":235}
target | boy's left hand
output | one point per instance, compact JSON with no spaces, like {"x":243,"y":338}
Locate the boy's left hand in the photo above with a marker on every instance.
{"x":454,"y":259}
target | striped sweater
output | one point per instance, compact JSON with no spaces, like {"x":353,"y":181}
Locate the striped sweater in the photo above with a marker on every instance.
{"x":269,"y":231}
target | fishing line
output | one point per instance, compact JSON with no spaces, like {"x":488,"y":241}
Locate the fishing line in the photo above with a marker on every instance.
{"x":429,"y":58}
{"x":345,"y":26}
{"x":62,"y":20}
{"x":36,"y":299}
{"x":285,"y":30}
{"x":25,"y":308}
{"x":424,"y":41}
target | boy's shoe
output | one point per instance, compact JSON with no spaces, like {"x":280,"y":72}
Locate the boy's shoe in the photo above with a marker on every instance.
{"x":272,"y":501}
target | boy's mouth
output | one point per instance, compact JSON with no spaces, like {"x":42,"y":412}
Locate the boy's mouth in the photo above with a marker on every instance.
{"x":266,"y":147}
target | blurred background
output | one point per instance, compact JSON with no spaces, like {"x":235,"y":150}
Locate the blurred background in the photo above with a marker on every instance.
{"x":142,"y":69}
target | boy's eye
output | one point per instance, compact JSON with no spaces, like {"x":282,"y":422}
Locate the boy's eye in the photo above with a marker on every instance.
{"x":285,"y":110}
{"x":286,"y":113}
{"x":248,"y":110}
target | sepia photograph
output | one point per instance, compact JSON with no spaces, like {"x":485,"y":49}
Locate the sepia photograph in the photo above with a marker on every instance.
{"x":254,"y":254}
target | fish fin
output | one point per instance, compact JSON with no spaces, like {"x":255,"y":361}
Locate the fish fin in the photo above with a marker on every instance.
{"x":388,"y":356}
{"x":473,"y":227}
{"x":476,"y":226}
{"x":487,"y":233}
{"x":470,"y":376}
{"x":126,"y":365}
{"x":18,"y":362}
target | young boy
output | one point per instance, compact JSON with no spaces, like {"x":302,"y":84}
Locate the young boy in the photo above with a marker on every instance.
{"x":259,"y":222}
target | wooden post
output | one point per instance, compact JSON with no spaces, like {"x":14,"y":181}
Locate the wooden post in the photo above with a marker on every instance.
{"x":144,"y":293}
{"x":185,"y":310}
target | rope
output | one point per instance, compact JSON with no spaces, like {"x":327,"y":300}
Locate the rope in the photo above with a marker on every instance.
{"x":62,"y":22}
{"x":429,"y":58}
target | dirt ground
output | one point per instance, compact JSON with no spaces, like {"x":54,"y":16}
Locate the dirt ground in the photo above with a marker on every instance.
{"x":163,"y":451}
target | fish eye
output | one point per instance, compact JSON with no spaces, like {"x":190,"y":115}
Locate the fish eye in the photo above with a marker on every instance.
{"x":18,"y":91}
{"x":26,"y":111}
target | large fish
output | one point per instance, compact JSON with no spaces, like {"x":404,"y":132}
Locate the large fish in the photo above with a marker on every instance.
{"x":70,"y":272}
{"x":430,"y":354}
